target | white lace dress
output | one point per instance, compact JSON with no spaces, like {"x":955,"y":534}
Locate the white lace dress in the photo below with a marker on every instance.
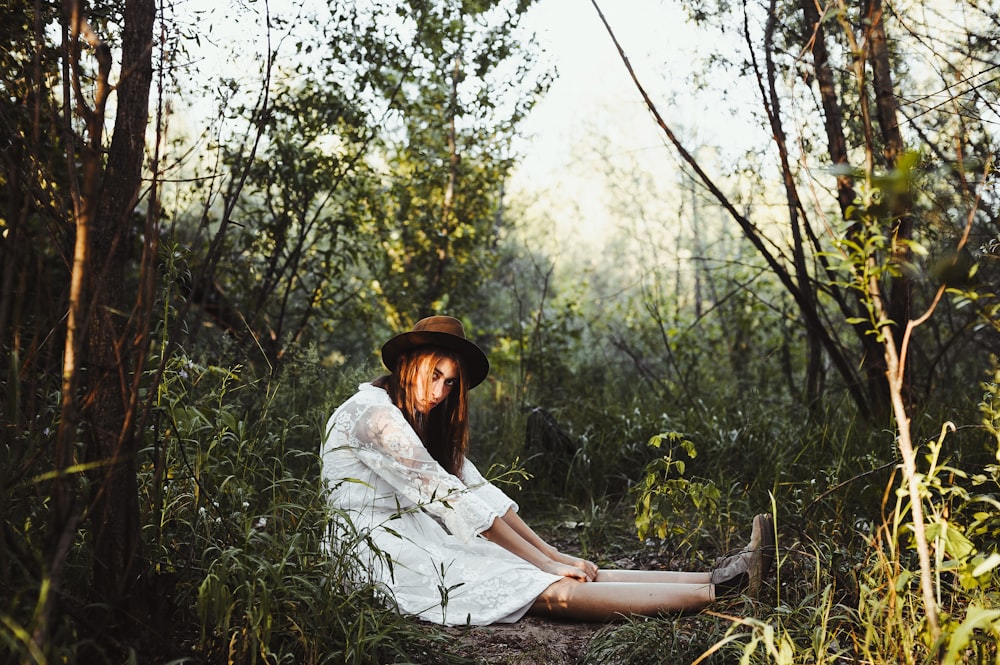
{"x":424,"y":521}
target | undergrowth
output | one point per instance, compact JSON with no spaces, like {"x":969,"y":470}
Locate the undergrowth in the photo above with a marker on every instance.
{"x":846,"y":589}
{"x":243,"y":527}
{"x":235,"y":535}
{"x":240,"y":568}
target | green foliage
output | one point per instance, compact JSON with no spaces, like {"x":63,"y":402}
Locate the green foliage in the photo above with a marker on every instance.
{"x":665,"y":498}
{"x":847,"y":590}
{"x":852,"y":591}
{"x":243,"y":526}
{"x":464,"y":89}
{"x":368,"y":182}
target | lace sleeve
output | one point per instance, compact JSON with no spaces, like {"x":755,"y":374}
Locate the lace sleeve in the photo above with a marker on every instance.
{"x":487,"y":492}
{"x":386,"y":443}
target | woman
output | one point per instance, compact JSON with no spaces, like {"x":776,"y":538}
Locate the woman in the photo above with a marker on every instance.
{"x":447,"y":545}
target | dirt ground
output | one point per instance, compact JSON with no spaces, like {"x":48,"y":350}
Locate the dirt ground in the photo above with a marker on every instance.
{"x":530,"y":641}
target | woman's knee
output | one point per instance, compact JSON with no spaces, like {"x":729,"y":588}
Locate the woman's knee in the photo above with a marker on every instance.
{"x":557,"y":595}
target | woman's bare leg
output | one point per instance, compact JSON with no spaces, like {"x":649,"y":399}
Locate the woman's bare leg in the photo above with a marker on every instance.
{"x":587,"y":601}
{"x":653,"y":576}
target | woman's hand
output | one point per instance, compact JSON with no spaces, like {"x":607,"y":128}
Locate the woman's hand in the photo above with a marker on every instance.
{"x":510,"y":532}
{"x":566,"y":570}
{"x":544,"y":556}
{"x":589,"y":568}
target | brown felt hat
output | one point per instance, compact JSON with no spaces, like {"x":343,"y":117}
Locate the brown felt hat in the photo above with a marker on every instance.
{"x":445,"y":332}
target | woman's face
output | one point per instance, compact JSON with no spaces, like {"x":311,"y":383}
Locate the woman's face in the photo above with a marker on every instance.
{"x":436,"y":383}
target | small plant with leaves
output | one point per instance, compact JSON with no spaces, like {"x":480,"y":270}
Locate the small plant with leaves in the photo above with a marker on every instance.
{"x":667,"y":503}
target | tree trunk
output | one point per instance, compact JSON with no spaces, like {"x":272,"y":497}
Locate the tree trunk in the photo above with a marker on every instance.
{"x":796,"y":215}
{"x":435,"y":286}
{"x":110,"y":408}
{"x":900,"y":301}
{"x":873,"y":366}
{"x":833,"y":117}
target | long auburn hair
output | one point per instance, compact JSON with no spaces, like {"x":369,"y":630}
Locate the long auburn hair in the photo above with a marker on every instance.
{"x":445,"y":430}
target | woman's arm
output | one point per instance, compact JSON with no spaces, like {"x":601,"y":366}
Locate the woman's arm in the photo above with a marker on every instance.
{"x":514,"y":521}
{"x":506,"y":537}
{"x":381,"y":439}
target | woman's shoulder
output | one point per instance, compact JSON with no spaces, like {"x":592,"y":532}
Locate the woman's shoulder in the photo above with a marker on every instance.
{"x":369,"y":392}
{"x":368,"y":410}
{"x":367,"y":403}
{"x":367,"y":396}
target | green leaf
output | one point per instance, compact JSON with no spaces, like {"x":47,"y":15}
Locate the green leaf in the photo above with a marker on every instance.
{"x":976,"y":619}
{"x":955,"y":543}
{"x":987,"y":564}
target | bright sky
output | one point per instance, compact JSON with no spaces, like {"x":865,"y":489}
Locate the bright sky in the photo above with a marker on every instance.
{"x":593,"y":104}
{"x":593,"y":86}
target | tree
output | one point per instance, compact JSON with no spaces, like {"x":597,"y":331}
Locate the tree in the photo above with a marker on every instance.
{"x":874,"y":140}
{"x":334,"y":155}
{"x":97,"y":180}
{"x":368,"y":188}
{"x":118,"y":322}
{"x":468,"y":85}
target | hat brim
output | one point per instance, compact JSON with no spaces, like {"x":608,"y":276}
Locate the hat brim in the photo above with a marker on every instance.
{"x":474,"y":360}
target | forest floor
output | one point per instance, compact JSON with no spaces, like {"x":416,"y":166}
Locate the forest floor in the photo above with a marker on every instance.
{"x":530,"y":641}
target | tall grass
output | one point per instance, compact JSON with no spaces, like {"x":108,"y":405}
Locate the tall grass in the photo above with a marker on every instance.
{"x":237,"y":559}
{"x":243,"y":526}
{"x":235,"y":525}
{"x":847,"y":587}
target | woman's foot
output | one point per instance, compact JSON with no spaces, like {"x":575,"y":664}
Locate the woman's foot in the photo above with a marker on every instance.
{"x":746,"y":570}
